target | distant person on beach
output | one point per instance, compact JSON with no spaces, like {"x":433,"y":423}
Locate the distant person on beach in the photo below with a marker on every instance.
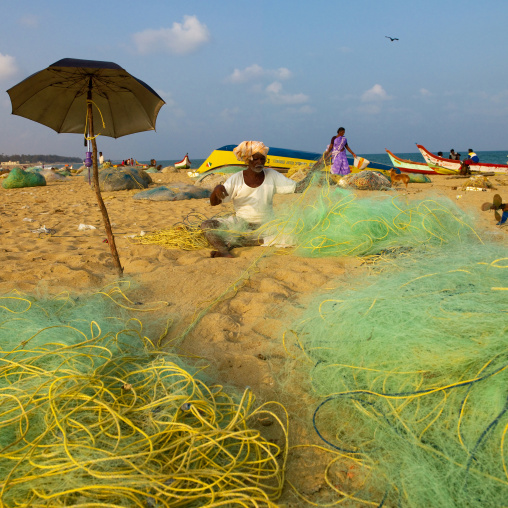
{"x":338,"y":146}
{"x":251,"y":191}
{"x":440,"y":154}
{"x":101,"y":158}
{"x":472,"y":158}
{"x":453,"y":155}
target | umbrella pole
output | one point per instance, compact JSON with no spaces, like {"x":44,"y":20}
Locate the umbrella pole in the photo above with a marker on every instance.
{"x":102,"y":206}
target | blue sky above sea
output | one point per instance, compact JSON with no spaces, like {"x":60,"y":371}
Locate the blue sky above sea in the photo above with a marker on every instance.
{"x":286,"y":73}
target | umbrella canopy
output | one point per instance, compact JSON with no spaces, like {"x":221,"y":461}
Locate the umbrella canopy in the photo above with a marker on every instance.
{"x":57,"y":97}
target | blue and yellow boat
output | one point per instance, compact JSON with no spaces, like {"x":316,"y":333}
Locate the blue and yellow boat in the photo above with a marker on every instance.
{"x":281,"y":159}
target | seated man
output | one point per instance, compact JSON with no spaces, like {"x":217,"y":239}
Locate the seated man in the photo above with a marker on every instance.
{"x":251,"y":191}
{"x":472,"y":158}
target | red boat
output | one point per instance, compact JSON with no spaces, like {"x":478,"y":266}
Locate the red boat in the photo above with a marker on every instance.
{"x":185,"y":163}
{"x":410,"y":166}
{"x":438,"y":163}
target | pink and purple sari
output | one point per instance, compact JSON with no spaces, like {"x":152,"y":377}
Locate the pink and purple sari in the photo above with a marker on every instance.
{"x":340,"y":165}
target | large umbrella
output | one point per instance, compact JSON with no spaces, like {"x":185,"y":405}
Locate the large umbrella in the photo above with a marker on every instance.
{"x":73,"y":95}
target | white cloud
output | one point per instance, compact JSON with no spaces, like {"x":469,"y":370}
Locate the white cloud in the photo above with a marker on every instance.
{"x":277,"y":96}
{"x":8,"y":67}
{"x":180,"y":39}
{"x":345,"y":49}
{"x":375,"y":94}
{"x":256,"y":72}
{"x":424,"y":92}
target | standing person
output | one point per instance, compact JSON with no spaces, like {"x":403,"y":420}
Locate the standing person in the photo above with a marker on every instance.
{"x":453,"y":155}
{"x":101,"y":159}
{"x":251,"y":191}
{"x":337,"y":147}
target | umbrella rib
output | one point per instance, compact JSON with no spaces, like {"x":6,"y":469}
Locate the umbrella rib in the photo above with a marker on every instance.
{"x":68,"y":109}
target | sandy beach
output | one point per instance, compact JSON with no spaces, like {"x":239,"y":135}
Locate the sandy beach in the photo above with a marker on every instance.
{"x":228,"y":313}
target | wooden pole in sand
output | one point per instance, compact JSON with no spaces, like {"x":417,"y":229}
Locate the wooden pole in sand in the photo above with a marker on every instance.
{"x":102,"y":206}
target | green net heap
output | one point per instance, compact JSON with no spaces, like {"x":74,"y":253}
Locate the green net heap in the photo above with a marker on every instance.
{"x":93,"y":414}
{"x":410,"y":371}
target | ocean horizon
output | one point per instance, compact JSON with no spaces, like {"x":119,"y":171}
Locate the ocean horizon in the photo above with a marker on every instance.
{"x":490,"y":157}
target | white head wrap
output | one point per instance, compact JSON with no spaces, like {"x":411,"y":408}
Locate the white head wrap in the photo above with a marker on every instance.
{"x":246,"y":149}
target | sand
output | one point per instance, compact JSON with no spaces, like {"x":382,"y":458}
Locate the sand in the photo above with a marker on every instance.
{"x":234,"y":310}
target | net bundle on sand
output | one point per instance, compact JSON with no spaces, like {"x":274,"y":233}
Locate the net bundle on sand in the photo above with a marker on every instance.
{"x":93,"y":414}
{"x":329,"y":221}
{"x":410,"y":373}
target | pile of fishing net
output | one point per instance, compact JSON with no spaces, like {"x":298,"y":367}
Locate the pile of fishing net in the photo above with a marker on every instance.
{"x":409,"y":368}
{"x":184,"y":235}
{"x":418,"y":178}
{"x":224,"y":172}
{"x":115,"y":179}
{"x":335,"y":222}
{"x":54,"y":176}
{"x":18,"y":178}
{"x":93,"y":413}
{"x":477,"y":182}
{"x":174,"y":192}
{"x":365,"y":180}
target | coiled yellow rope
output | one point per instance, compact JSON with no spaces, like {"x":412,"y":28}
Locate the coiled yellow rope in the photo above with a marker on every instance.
{"x":103,"y":421}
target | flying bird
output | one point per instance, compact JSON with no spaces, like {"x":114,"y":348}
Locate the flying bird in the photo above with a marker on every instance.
{"x":391,"y":38}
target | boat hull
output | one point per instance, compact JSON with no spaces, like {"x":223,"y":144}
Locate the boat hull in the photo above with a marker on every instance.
{"x":185,"y":163}
{"x":408,"y":166}
{"x":439,"y":163}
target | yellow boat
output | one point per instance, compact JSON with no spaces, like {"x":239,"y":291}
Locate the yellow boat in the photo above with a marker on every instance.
{"x":280,"y":159}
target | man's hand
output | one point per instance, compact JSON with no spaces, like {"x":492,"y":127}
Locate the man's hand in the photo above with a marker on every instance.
{"x":218,"y":194}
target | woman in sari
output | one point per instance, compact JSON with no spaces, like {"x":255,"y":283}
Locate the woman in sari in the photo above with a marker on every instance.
{"x":337,"y":147}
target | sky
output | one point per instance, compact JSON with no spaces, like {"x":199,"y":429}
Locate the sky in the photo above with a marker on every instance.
{"x":285,"y":73}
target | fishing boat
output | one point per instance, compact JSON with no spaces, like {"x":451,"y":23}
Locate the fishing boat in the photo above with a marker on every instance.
{"x":408,"y":166}
{"x":439,"y":164}
{"x":185,"y":163}
{"x":280,"y":159}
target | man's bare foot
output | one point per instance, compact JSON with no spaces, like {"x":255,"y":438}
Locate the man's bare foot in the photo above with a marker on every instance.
{"x":219,"y":254}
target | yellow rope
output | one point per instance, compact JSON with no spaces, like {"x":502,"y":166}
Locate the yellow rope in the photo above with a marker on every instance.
{"x":99,"y":424}
{"x":86,"y":121}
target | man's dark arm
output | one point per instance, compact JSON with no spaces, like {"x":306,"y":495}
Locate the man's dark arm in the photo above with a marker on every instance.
{"x":217,"y":195}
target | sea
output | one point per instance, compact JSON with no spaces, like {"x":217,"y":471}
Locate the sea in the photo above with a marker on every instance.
{"x":491,"y":157}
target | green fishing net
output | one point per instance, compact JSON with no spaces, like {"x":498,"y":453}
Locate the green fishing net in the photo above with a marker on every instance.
{"x":409,"y":368}
{"x":93,"y":413}
{"x":329,"y":221}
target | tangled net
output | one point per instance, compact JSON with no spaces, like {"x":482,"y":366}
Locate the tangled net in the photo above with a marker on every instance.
{"x":411,"y":375}
{"x":365,"y":180}
{"x":96,"y":415}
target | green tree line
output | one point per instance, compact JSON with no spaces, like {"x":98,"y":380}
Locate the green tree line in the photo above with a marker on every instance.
{"x":30,"y":159}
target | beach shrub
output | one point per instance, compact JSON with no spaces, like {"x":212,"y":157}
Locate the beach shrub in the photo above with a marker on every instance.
{"x":18,"y":178}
